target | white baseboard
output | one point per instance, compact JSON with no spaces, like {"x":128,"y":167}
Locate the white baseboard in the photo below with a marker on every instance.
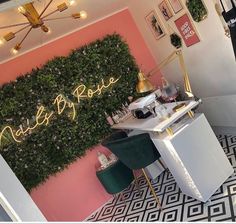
{"x":224,"y":130}
{"x":220,"y":110}
{"x":85,"y":220}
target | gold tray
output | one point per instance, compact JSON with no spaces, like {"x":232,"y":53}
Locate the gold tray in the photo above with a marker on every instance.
{"x":179,"y":107}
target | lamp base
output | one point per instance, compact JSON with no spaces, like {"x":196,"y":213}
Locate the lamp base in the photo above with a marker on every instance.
{"x":179,"y":107}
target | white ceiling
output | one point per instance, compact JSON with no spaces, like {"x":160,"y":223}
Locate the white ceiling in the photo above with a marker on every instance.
{"x":96,"y":10}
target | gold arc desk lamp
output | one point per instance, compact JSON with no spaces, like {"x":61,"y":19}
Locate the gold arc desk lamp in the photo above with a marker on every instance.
{"x":144,"y":85}
{"x":37,"y":20}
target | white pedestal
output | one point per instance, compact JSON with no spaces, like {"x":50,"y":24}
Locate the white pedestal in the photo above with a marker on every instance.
{"x":195,"y":158}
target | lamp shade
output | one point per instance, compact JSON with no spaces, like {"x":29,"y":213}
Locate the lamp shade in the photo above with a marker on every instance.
{"x":143,"y":84}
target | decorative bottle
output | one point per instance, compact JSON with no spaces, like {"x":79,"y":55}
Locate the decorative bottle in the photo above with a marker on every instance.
{"x":109,"y":119}
{"x":102,"y":159}
{"x":115,"y":118}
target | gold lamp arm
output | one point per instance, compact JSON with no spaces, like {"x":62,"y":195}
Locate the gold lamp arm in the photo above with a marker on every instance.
{"x":49,"y":14}
{"x":60,"y":8}
{"x":166,"y":61}
{"x":49,"y":3}
{"x":57,"y":18}
{"x":18,"y":46}
{"x":23,"y":28}
{"x":170,"y":58}
{"x":187,"y":86}
{"x":14,"y":25}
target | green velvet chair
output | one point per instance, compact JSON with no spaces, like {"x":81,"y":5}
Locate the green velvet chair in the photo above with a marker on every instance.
{"x":116,"y":177}
{"x":136,"y":152}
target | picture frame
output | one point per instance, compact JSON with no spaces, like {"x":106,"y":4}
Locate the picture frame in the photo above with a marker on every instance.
{"x":155,"y":25}
{"x":176,"y":5}
{"x":197,"y":10}
{"x":187,"y":30}
{"x":165,"y":10}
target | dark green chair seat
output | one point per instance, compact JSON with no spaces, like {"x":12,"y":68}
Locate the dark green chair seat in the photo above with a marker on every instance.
{"x":116,"y":177}
{"x":136,"y":152}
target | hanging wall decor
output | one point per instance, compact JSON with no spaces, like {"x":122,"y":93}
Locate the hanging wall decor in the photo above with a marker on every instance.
{"x":224,"y":24}
{"x":176,"y":5}
{"x":197,"y":9}
{"x":230,"y":18}
{"x":175,"y":39}
{"x":155,"y":25}
{"x":47,"y":116}
{"x":165,"y":10}
{"x":187,"y":30}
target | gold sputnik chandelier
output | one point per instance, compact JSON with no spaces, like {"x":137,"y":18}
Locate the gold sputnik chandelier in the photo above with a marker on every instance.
{"x":37,"y":20}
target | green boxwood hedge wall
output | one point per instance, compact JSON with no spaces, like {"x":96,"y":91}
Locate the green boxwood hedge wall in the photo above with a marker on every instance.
{"x":49,"y":149}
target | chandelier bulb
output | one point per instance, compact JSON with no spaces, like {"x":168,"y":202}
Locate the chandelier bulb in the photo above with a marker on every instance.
{"x":44,"y":28}
{"x":21,"y":9}
{"x":16,"y":49}
{"x":83,"y":14}
{"x":2,"y":41}
{"x":49,"y":31}
{"x":72,"y":2}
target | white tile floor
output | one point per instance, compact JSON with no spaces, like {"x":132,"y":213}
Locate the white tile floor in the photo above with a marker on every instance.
{"x":176,"y":206}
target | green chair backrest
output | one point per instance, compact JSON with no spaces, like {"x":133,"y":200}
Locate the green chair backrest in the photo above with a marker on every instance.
{"x":116,"y":177}
{"x":114,"y":136}
{"x":136,"y":152}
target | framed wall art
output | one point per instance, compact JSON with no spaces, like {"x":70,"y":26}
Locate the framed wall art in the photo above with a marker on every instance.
{"x":187,"y":30}
{"x":155,"y":25}
{"x":165,"y":10}
{"x":176,"y":5}
{"x":197,"y":9}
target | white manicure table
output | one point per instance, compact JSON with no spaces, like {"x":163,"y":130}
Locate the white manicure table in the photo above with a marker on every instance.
{"x":192,"y":152}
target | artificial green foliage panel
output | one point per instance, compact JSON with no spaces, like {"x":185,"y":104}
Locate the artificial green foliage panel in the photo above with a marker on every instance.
{"x":197,"y":9}
{"x":49,"y":149}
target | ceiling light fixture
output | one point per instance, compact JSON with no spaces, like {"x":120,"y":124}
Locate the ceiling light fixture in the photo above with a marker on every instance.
{"x":2,"y":41}
{"x":72,"y":2}
{"x":37,"y":20}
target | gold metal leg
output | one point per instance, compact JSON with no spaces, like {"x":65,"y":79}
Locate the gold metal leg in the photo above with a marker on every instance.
{"x":122,"y":197}
{"x":169,"y":131}
{"x":161,"y":163}
{"x":115,"y":195}
{"x":191,"y":114}
{"x":136,"y":184}
{"x":152,"y":190}
{"x":165,"y":168}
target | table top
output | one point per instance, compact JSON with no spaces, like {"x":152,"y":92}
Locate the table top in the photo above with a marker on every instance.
{"x":153,"y":123}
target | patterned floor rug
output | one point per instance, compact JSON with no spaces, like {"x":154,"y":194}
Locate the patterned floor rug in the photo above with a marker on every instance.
{"x":176,"y":205}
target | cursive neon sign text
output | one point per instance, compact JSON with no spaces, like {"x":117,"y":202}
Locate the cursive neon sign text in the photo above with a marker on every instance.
{"x":43,"y":117}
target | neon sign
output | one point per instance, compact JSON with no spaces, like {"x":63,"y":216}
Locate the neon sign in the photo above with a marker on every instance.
{"x":43,"y":117}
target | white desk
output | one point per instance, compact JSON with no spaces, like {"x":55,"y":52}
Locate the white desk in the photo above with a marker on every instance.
{"x":152,"y":123}
{"x":193,"y":154}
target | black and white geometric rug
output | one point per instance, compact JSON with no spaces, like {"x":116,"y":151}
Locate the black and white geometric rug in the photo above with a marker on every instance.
{"x":176,"y":206}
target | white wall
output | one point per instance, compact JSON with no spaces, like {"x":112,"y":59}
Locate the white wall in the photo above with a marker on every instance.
{"x":220,"y":110}
{"x":17,"y":196}
{"x":210,"y":63}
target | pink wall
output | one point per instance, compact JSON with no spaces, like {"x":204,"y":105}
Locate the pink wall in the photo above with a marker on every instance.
{"x":75,"y":193}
